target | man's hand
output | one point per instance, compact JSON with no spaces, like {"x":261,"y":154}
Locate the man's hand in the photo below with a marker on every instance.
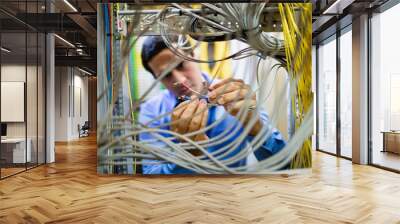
{"x":232,"y":94}
{"x":190,"y":116}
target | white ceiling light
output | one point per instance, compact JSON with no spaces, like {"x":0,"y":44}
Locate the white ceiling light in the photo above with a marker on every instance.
{"x":70,"y":5}
{"x":65,"y":41}
{"x":84,"y":71}
{"x":5,"y":50}
{"x":337,"y":7}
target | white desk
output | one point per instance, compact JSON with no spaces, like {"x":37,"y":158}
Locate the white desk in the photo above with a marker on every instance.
{"x":18,"y":149}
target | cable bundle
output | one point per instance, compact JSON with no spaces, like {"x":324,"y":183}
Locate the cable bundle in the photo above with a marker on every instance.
{"x":296,"y":50}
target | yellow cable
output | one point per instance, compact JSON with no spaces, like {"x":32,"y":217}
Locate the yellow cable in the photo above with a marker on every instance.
{"x":297,"y":35}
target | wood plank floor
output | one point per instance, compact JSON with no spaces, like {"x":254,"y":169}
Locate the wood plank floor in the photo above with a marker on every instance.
{"x":70,"y":191}
{"x":9,"y":171}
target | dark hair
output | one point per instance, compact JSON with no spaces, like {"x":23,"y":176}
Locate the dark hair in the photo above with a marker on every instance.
{"x":152,"y":45}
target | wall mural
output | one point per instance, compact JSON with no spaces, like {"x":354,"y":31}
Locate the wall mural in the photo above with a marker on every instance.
{"x":220,"y":88}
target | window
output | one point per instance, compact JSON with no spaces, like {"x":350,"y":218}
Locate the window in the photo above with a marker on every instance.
{"x":385,"y":89}
{"x":22,"y":75}
{"x":346,"y":93}
{"x":327,"y":96}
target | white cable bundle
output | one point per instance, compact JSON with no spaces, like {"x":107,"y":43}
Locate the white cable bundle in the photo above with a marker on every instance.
{"x":247,"y":16}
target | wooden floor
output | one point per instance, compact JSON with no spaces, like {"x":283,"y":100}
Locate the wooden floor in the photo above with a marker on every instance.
{"x":10,"y":171}
{"x":70,"y":191}
{"x":5,"y":172}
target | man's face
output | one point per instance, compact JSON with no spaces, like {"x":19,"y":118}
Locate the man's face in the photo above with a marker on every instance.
{"x":187,"y":73}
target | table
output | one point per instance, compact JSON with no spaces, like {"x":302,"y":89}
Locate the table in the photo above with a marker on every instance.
{"x":391,"y":141}
{"x":15,"y":148}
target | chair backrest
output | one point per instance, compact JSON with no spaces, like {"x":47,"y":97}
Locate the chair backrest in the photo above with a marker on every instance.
{"x":86,"y":125}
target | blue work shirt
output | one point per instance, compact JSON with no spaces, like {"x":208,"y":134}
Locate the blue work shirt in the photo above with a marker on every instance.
{"x":166,"y":101}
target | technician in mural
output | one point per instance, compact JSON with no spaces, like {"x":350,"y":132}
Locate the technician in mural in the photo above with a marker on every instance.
{"x":186,"y":79}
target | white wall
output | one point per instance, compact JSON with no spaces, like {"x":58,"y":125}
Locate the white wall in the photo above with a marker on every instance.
{"x":80,"y":100}
{"x":12,"y":73}
{"x":62,"y":81}
{"x":33,"y":126}
{"x":71,"y":102}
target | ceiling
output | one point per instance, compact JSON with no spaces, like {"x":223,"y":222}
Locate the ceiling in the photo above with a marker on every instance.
{"x":332,"y":15}
{"x":76,"y":25}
